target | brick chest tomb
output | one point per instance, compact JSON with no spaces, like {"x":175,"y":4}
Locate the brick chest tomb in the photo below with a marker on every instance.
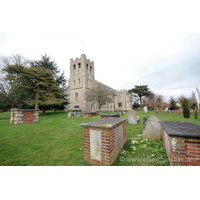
{"x":23,"y":116}
{"x":88,"y":114}
{"x":109,"y":115}
{"x":182,"y":143}
{"x":103,"y":140}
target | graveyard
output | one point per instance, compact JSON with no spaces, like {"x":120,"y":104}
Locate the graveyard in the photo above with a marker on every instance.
{"x":56,"y":140}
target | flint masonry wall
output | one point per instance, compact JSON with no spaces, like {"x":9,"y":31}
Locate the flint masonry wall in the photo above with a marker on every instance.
{"x":23,"y":116}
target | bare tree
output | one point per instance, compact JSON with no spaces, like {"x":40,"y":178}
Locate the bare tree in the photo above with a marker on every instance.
{"x":100,"y":94}
{"x":152,"y":100}
{"x":180,"y":100}
{"x":5,"y":87}
{"x":159,"y":101}
{"x":145,"y":102}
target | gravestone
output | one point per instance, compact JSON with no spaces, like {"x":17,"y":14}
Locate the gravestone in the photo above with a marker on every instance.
{"x":74,"y":113}
{"x":151,"y":127}
{"x":166,"y":109}
{"x":145,"y":109}
{"x":132,"y":118}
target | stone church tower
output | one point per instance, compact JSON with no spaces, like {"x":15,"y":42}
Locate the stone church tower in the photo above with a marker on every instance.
{"x":82,"y":79}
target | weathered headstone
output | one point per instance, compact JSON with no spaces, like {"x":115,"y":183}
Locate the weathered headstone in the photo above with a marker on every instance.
{"x":74,"y":113}
{"x":145,"y":109}
{"x":166,"y":109}
{"x":132,"y":118}
{"x":151,"y":127}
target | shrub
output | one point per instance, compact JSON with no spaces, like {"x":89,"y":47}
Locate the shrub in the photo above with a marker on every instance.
{"x":186,"y":111}
{"x":196,"y":112}
{"x":2,"y":106}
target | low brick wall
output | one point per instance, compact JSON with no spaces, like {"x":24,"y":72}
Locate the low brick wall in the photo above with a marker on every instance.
{"x":23,"y":116}
{"x":102,"y":141}
{"x":1,"y":110}
{"x":182,"y":149}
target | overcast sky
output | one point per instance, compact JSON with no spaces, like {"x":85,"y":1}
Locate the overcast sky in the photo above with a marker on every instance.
{"x":128,"y":42}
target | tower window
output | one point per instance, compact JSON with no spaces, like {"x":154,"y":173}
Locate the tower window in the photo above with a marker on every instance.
{"x":90,"y":68}
{"x":120,"y":105}
{"x":79,"y":81}
{"x":74,"y":82}
{"x":86,"y":66}
{"x":75,"y":107}
{"x":74,"y":67}
{"x":79,"y":65}
{"x":76,"y":95}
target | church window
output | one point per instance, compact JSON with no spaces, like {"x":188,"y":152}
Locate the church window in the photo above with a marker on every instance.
{"x":103,"y":103}
{"x":74,"y":67}
{"x":74,"y":82}
{"x":76,"y":95}
{"x":79,"y":65}
{"x":75,"y":107}
{"x":90,"y":68}
{"x":79,"y":81}
{"x":120,"y":105}
{"x":86,"y":66}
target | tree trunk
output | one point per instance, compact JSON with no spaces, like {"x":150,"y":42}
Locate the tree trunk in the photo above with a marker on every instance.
{"x":140,"y":102}
{"x":43,"y":111}
{"x":158,"y":111}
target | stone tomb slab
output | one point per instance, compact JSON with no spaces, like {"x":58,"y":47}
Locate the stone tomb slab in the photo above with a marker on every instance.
{"x":151,"y":128}
{"x":95,"y":145}
{"x":132,"y":118}
{"x":110,"y":115}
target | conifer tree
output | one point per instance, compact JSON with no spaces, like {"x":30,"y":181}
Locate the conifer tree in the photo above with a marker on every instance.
{"x":196,"y":112}
{"x":186,"y":111}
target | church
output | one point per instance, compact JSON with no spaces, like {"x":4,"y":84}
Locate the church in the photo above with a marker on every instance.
{"x":82,"y":79}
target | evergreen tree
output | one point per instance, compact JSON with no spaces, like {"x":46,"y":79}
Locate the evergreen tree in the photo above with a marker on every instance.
{"x":46,"y":62}
{"x":36,"y":84}
{"x":186,"y":111}
{"x":172,"y":103}
{"x":140,"y":91}
{"x":196,"y":112}
{"x":60,"y":79}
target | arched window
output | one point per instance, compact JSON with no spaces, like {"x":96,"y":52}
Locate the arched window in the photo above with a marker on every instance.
{"x":74,"y":82}
{"x":79,"y":81}
{"x":79,"y":65}
{"x":90,"y":68}
{"x":74,"y":67}
{"x":86,"y":66}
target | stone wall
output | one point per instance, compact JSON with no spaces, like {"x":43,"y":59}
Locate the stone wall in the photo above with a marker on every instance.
{"x":23,"y":116}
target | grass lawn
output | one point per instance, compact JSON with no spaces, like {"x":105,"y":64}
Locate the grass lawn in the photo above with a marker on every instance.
{"x":57,"y":140}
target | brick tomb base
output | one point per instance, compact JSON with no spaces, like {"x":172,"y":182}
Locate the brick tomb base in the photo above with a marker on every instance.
{"x":23,"y":116}
{"x":182,"y":143}
{"x":109,"y":115}
{"x":103,"y":140}
{"x":89,"y":114}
